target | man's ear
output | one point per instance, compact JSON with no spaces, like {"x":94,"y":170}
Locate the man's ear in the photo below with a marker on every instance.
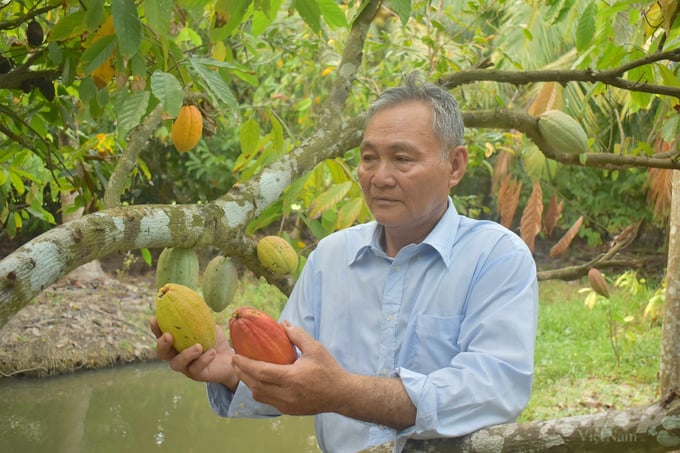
{"x":458,"y":157}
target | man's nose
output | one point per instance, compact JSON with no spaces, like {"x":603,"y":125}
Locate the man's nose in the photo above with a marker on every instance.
{"x":384,"y":174}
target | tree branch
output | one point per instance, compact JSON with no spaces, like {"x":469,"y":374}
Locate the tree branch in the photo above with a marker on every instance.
{"x":609,"y":77}
{"x":654,"y":428}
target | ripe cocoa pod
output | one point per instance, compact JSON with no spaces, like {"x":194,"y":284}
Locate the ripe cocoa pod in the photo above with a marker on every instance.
{"x":183,"y":312}
{"x":562,"y":132}
{"x":187,"y":129}
{"x":256,"y":335}
{"x":219,"y":283}
{"x":598,"y":283}
{"x":277,"y":255}
{"x":177,"y":265}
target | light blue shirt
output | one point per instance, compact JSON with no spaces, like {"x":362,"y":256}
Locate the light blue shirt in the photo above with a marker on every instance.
{"x":454,"y":317}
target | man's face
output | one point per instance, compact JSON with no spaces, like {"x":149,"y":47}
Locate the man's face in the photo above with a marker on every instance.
{"x":405,"y":181}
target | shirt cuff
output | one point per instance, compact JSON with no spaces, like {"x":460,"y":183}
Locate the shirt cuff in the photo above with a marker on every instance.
{"x":226,"y":403}
{"x":423,"y":399}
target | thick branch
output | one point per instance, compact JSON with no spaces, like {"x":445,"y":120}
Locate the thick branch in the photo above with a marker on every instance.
{"x":609,"y":77}
{"x":655,"y":428}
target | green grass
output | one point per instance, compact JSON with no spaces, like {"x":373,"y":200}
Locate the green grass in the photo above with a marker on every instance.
{"x":591,"y":360}
{"x":577,"y":369}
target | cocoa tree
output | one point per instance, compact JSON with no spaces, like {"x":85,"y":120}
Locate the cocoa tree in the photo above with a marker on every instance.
{"x":223,"y":221}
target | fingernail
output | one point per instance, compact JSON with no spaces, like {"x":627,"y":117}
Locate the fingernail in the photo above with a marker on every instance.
{"x":287,"y":324}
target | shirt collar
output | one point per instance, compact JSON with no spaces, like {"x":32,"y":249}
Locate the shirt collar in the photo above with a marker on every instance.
{"x":441,"y":238}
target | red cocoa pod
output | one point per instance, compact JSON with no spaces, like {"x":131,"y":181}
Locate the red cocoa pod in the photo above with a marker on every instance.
{"x":256,"y":335}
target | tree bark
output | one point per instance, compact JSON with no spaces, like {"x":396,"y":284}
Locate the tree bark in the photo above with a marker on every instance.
{"x":655,"y":428}
{"x":669,"y":375}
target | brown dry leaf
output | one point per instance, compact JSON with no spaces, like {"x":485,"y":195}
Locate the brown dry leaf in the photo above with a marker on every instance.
{"x":658,"y":186}
{"x":552,"y":215}
{"x":563,"y":244}
{"x":549,"y":98}
{"x":508,"y":198}
{"x":501,"y":170}
{"x":530,"y":224}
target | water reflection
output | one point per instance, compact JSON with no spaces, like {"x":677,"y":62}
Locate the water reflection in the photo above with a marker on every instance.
{"x":138,"y":408}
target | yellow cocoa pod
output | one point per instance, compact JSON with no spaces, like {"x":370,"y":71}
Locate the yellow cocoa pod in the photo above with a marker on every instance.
{"x":277,"y":255}
{"x":220,"y":282}
{"x":183,"y":312}
{"x":187,"y":128}
{"x":562,"y":132}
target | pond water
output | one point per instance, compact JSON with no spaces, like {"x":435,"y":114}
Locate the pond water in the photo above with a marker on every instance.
{"x":134,"y":409}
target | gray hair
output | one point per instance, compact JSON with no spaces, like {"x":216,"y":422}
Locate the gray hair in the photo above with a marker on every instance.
{"x":447,"y":121}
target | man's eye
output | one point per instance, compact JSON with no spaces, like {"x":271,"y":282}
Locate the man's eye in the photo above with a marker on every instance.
{"x":367,"y":157}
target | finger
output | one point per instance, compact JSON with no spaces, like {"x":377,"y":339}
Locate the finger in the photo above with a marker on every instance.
{"x":153,"y":323}
{"x":298,"y":336}
{"x":181,"y":361}
{"x":164,"y":349}
{"x":263,"y":372}
{"x":198,"y":366}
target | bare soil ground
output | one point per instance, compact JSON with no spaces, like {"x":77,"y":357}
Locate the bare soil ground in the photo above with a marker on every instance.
{"x":76,"y":325}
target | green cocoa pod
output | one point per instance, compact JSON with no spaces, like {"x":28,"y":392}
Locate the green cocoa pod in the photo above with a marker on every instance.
{"x":183,"y":312}
{"x":177,"y":265}
{"x":220,"y":282}
{"x":562,"y":132}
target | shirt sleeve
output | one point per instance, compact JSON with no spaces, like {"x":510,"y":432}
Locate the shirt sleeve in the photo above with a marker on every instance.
{"x":489,"y":381}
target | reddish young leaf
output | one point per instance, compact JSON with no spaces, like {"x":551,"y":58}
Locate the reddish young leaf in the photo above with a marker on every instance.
{"x":530,"y":224}
{"x":508,"y":198}
{"x":552,"y":215}
{"x":565,"y":241}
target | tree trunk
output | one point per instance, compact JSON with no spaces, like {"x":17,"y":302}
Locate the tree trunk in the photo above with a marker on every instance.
{"x":655,"y":428}
{"x":669,"y":376}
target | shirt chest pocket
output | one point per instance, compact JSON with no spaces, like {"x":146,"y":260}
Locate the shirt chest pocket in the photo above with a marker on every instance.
{"x":431,"y":342}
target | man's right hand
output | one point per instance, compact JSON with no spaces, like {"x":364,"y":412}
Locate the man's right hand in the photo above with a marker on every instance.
{"x":213,"y":365}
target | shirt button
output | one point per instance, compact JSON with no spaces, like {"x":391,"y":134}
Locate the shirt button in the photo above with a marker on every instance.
{"x":397,"y":269}
{"x":389,"y":317}
{"x":235,"y":413}
{"x":241,"y":405}
{"x":383,"y":371}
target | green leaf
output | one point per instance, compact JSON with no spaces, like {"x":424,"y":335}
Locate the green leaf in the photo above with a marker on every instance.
{"x":159,"y":16}
{"x":328,"y":199}
{"x":212,"y":80}
{"x":402,"y":8}
{"x":128,"y":26}
{"x":131,"y":111}
{"x":68,"y":27}
{"x":168,"y":90}
{"x":250,"y":137}
{"x":586,"y":26}
{"x":260,"y":23}
{"x":332,"y":14}
{"x":146,"y":253}
{"x":95,"y":55}
{"x":310,"y":13}
{"x":668,"y":77}
{"x":348,"y":213}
